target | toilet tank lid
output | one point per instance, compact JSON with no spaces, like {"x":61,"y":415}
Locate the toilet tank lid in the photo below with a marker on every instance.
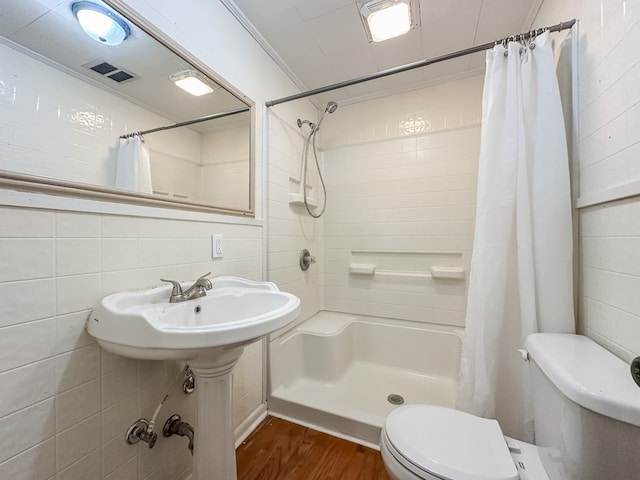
{"x":587,"y":374}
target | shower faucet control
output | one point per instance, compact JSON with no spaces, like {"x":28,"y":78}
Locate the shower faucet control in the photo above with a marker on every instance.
{"x":306,"y":259}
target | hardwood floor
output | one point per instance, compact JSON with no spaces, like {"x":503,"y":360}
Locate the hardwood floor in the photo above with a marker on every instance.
{"x":281,"y":450}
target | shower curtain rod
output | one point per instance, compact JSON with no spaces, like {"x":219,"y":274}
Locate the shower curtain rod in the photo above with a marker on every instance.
{"x":187,"y":122}
{"x":422,"y":63}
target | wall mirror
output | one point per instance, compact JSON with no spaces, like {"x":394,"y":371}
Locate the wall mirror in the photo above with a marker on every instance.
{"x":67,"y":98}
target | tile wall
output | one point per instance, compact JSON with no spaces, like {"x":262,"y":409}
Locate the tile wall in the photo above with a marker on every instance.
{"x":440,"y":107}
{"x":609,"y":140}
{"x":402,"y":182}
{"x":291,"y":229}
{"x":64,"y":402}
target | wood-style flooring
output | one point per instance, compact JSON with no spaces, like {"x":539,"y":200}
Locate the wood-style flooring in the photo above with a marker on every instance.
{"x":281,"y":450}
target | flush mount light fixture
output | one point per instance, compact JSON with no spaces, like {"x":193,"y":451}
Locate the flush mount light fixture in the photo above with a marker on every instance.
{"x":385,"y":19}
{"x":100,"y":23}
{"x":192,"y":81}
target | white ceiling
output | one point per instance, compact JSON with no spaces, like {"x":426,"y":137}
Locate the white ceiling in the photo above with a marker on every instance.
{"x":317,"y":42}
{"x":322,"y":42}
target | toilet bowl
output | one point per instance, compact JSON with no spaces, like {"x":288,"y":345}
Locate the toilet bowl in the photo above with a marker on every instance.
{"x":426,"y":442}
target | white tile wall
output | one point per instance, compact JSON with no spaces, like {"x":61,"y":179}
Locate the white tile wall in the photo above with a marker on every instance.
{"x":206,"y":29}
{"x":441,"y":107}
{"x":291,"y":229}
{"x":609,"y":76}
{"x":64,"y":403}
{"x":414,"y":194}
{"x":400,"y":174}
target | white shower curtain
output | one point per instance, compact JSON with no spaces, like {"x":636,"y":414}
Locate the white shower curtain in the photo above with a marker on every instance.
{"x":521,"y":278}
{"x":133,"y":166}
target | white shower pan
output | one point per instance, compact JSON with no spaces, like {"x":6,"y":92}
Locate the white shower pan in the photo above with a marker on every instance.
{"x":335,"y":371}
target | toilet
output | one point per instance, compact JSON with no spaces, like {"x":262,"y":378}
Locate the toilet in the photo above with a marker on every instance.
{"x":586,"y":423}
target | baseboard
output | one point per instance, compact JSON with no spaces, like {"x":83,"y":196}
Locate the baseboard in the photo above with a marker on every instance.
{"x":328,"y":431}
{"x":250,"y":423}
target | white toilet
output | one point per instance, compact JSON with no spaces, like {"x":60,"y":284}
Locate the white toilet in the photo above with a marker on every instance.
{"x":586,"y":422}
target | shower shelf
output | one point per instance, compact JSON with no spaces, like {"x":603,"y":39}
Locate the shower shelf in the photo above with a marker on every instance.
{"x":370,"y":270}
{"x":298,"y":199}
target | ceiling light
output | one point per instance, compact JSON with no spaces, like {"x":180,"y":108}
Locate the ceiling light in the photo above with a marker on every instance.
{"x":192,"y":82}
{"x":100,"y":23}
{"x":384,"y":19}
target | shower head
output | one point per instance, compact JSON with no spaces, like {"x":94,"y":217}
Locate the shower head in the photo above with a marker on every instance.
{"x":331,"y":107}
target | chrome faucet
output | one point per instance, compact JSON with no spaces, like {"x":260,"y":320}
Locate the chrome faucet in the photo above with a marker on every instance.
{"x":197,"y":290}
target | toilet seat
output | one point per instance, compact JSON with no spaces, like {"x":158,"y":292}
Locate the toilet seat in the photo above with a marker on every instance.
{"x":439,"y":442}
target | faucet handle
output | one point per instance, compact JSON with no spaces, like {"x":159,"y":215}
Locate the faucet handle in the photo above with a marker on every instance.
{"x":206,"y":283}
{"x":177,"y":288}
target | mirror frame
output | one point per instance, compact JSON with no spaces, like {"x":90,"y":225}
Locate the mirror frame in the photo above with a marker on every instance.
{"x":28,"y":183}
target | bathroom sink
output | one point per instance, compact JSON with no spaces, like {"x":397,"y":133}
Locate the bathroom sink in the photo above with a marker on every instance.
{"x":235,"y":312}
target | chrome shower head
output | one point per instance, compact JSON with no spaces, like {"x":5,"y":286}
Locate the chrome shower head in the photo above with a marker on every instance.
{"x":331,"y":107}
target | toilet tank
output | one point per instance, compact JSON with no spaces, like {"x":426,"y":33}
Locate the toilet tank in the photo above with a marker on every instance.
{"x":586,"y":409}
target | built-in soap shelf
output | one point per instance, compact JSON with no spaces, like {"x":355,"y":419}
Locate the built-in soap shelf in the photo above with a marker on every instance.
{"x":296,"y":195}
{"x":407,"y":264}
{"x":456,"y":273}
{"x":298,"y":199}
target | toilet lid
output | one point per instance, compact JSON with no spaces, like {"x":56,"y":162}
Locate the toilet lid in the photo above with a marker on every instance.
{"x":450,"y":444}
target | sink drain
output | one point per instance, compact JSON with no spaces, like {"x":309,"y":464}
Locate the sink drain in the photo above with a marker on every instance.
{"x":395,"y":399}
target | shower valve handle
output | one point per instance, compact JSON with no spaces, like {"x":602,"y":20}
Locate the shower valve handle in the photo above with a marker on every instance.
{"x":306,"y":259}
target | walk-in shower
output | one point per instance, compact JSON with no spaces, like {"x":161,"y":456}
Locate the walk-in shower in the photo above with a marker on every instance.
{"x":310,"y":140}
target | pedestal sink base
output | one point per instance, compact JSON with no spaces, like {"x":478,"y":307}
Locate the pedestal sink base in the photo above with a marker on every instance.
{"x":214,"y":451}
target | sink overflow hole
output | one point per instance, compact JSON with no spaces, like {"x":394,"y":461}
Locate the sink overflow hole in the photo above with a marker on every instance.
{"x":197,"y":309}
{"x":395,"y":399}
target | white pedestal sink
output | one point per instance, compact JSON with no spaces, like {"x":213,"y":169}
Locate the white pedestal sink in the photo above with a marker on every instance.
{"x":210,"y":334}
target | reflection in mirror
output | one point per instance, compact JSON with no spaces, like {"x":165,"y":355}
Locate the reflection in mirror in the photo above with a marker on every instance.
{"x":66,"y":99}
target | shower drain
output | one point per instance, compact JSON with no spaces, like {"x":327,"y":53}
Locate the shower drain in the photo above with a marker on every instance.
{"x":395,"y":399}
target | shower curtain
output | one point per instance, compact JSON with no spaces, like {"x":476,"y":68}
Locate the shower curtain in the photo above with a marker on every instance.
{"x":521,"y":278}
{"x":133,"y":166}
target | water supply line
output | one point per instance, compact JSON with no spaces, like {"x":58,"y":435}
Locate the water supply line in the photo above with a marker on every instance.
{"x":183,"y":373}
{"x":310,"y":140}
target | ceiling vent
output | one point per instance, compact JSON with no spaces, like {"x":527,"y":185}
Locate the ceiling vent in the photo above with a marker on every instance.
{"x":108,"y":70}
{"x":375,"y":5}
